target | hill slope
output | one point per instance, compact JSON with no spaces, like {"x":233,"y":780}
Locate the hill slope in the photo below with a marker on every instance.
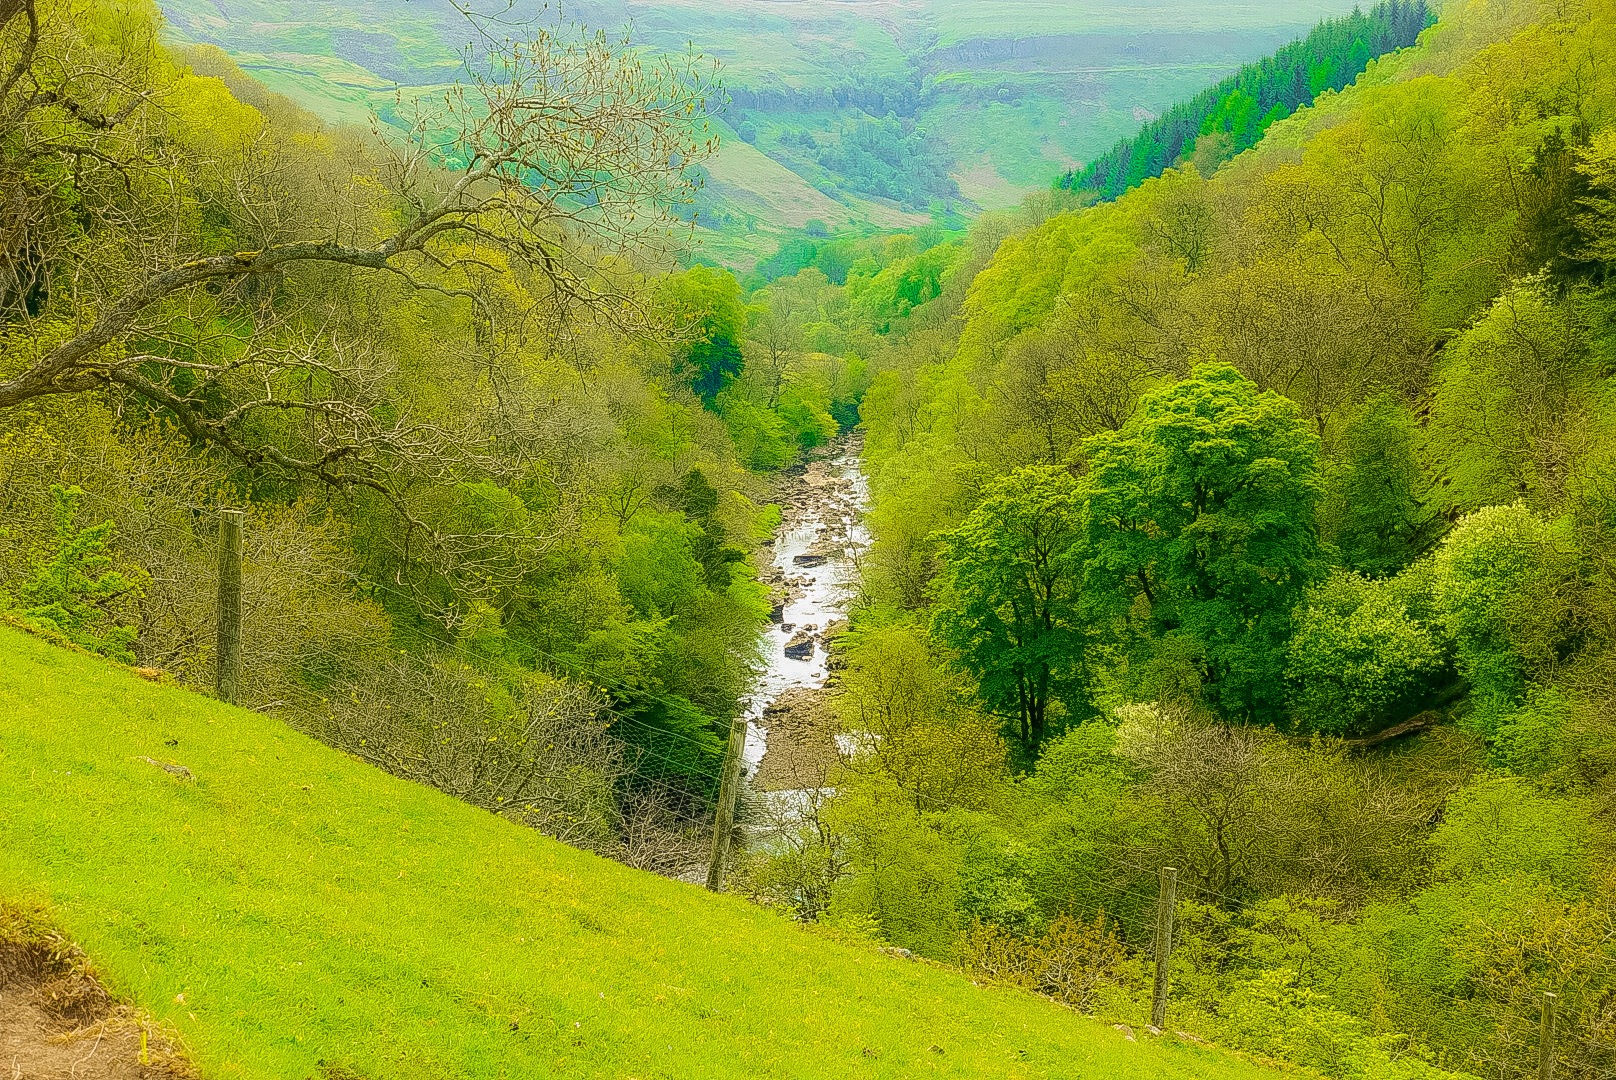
{"x":289,"y":906}
{"x":874,"y":113}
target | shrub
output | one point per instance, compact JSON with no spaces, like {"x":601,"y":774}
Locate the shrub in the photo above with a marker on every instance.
{"x":1070,"y":960}
{"x":74,"y":591}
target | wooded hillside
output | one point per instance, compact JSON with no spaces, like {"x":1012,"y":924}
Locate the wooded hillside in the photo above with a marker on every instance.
{"x":1225,"y":119}
{"x":1185,"y":502}
{"x":1258,"y":523}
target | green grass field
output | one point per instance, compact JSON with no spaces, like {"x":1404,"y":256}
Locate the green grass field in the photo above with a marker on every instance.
{"x":290,"y":906}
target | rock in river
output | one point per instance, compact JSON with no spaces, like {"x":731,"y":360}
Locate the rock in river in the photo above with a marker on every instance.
{"x":801,"y":647}
{"x":811,"y":560}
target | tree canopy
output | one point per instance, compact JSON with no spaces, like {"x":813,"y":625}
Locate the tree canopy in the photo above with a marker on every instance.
{"x":1202,"y":507}
{"x":1009,"y":594}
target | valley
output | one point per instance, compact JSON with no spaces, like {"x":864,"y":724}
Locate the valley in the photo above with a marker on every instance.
{"x":833,"y":117}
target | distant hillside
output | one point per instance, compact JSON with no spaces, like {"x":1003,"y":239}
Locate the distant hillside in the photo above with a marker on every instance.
{"x":1230,"y":117}
{"x":879,"y":114}
{"x":294,"y":913}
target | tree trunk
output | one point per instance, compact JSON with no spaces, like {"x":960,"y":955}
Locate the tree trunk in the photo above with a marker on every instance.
{"x":1038,"y":707}
{"x":1021,"y":701}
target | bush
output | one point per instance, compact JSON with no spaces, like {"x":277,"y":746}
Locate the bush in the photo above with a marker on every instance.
{"x":74,"y":591}
{"x":1506,"y":585}
{"x":1360,"y":660}
{"x":1274,"y":1015}
{"x":1069,"y":961}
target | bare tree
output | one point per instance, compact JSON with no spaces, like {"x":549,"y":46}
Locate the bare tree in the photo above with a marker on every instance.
{"x":1246,"y":808}
{"x":561,"y":163}
{"x":539,"y":753}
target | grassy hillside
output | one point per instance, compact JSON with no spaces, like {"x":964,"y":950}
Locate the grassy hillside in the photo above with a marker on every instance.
{"x":289,"y":906}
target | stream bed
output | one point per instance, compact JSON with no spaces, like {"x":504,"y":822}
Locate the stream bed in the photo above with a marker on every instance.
{"x":791,"y":739}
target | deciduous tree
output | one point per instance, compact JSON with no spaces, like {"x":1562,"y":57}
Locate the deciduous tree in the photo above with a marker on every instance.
{"x":1008,"y":594}
{"x":1201,"y":508}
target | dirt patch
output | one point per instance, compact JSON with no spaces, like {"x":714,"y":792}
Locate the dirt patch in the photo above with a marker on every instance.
{"x":57,"y":1022}
{"x":801,"y":742}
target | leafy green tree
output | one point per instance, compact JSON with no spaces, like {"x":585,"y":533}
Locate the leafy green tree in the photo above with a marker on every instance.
{"x":705,"y":303}
{"x":1595,"y":220}
{"x":1507,"y":588}
{"x":1504,"y":408}
{"x":74,"y":591}
{"x":905,"y":879}
{"x":805,"y":409}
{"x":1007,"y":598}
{"x":1361,"y":658}
{"x":759,"y":434}
{"x":1202,"y":508}
{"x":698,"y":499}
{"x":1374,"y":509}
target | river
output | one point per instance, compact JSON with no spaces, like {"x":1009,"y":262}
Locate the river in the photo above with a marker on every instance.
{"x":791,"y":739}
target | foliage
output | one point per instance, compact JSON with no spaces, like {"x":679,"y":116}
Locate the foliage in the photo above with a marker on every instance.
{"x":463,"y":411}
{"x":706,"y":304}
{"x":1362,"y":658}
{"x":1389,"y":503}
{"x":1068,"y":961}
{"x":1502,"y":412}
{"x":1506,"y":587}
{"x":1007,"y":601}
{"x":698,"y":500}
{"x":888,"y":157}
{"x":805,"y":410}
{"x":1212,"y":475}
{"x":1375,"y":505}
{"x":75,"y":591}
{"x":1230,"y":117}
{"x":1273,"y":1015}
{"x":1202,"y":507}
{"x":902,"y":874}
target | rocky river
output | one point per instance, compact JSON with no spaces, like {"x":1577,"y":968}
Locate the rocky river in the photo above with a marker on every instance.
{"x":791,"y":738}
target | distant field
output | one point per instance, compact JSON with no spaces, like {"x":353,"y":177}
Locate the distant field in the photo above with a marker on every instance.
{"x":964,"y":20}
{"x":290,"y":906}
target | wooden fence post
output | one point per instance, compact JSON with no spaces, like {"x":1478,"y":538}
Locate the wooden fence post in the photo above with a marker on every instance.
{"x":1545,"y":1039}
{"x":729,"y":792}
{"x":228,"y":669}
{"x":1166,"y":905}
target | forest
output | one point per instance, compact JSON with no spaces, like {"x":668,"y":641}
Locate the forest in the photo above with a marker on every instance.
{"x":1258,"y":521}
{"x":1224,"y":120}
